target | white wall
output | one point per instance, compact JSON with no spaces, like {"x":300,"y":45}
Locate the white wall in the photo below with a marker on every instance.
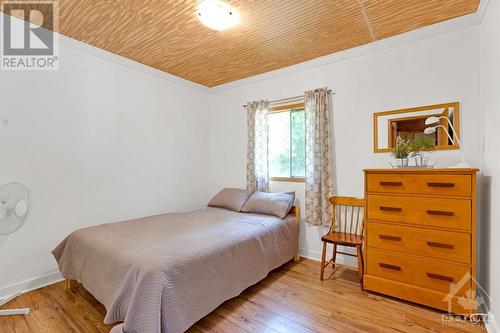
{"x":490,"y":191}
{"x":434,"y":70}
{"x":95,"y":142}
{"x":99,"y":142}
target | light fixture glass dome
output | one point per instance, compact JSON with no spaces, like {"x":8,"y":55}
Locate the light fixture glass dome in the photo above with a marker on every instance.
{"x":217,"y":15}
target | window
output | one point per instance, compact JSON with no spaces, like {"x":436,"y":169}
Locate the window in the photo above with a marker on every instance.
{"x":287,"y":151}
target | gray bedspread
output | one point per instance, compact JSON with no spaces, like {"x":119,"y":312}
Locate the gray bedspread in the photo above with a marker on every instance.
{"x":163,"y":273}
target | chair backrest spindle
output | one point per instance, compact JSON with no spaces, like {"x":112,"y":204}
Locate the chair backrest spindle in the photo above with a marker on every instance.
{"x":352,"y":219}
{"x":345,"y":219}
{"x":347,"y":215}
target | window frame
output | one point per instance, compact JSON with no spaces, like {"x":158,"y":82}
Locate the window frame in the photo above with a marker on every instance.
{"x":288,"y":108}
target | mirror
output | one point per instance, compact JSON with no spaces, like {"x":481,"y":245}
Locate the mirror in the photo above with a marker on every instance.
{"x":410,"y":124}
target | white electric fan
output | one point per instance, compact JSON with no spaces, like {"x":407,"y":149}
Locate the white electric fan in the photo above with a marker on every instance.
{"x":14,"y":209}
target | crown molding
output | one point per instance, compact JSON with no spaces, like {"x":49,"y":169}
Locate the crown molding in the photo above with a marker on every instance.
{"x":391,"y":42}
{"x":430,"y":31}
{"x":481,"y":10}
{"x":117,"y":59}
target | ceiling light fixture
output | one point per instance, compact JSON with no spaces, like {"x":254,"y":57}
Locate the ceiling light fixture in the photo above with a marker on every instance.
{"x":217,"y":15}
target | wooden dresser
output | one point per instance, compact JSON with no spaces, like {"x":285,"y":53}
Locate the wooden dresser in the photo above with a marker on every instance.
{"x":420,"y":236}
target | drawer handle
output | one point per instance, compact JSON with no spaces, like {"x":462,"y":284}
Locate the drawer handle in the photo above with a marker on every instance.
{"x":441,"y":245}
{"x":391,"y":183}
{"x":388,"y":237}
{"x":389,"y":266}
{"x":440,"y":277}
{"x":446,"y":185}
{"x":390,"y":209}
{"x":440,"y":213}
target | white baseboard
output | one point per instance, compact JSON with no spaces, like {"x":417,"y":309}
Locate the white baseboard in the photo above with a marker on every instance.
{"x":316,"y":255}
{"x":491,"y":325}
{"x":31,"y":284}
{"x":51,"y":278}
{"x":310,"y":254}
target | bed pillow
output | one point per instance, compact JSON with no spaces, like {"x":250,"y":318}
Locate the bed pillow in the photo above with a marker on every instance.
{"x":230,"y":198}
{"x":277,"y":204}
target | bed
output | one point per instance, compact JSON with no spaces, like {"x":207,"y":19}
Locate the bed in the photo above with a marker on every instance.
{"x":163,"y":273}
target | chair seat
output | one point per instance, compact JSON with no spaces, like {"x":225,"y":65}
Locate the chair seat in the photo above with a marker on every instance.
{"x":342,"y":238}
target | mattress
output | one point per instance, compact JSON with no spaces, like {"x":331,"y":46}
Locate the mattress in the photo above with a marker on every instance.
{"x":163,"y":273}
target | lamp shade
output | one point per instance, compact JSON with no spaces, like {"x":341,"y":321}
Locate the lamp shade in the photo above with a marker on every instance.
{"x":431,"y":120}
{"x":430,"y":130}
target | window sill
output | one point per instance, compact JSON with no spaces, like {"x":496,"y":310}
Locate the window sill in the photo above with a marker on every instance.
{"x":289,"y":180}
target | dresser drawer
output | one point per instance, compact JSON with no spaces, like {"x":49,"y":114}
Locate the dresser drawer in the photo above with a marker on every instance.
{"x":427,"y":273}
{"x":449,"y":245}
{"x":445,"y":213}
{"x":429,"y":184}
{"x":421,"y":295}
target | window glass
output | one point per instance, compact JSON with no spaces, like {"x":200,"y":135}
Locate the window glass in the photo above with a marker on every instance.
{"x":287,"y":144}
{"x":279,"y":144}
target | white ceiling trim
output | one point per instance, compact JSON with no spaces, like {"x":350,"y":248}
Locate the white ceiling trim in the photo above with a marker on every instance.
{"x":391,"y":42}
{"x":117,"y":59}
{"x":367,"y":21}
{"x":481,"y":10}
{"x":395,"y":41}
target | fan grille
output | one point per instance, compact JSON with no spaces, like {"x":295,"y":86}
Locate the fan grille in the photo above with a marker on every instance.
{"x":14,"y":207}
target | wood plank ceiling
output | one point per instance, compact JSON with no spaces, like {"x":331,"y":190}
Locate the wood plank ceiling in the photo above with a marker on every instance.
{"x":166,"y":34}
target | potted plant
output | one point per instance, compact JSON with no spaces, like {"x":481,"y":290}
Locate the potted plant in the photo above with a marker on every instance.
{"x":418,"y":147}
{"x":401,"y":151}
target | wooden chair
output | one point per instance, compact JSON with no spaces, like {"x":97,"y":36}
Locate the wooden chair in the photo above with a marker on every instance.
{"x":346,"y":229}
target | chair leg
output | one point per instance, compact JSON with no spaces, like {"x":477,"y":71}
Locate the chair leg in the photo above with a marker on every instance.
{"x":360,"y":265}
{"x":334,"y":255}
{"x":323,"y":256}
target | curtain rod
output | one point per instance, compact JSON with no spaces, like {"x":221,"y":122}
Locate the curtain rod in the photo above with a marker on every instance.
{"x":290,"y":99}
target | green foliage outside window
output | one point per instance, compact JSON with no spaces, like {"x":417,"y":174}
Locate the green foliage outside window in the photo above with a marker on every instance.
{"x":287,"y":144}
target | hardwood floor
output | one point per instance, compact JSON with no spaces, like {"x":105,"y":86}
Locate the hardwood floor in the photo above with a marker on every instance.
{"x":290,"y":299}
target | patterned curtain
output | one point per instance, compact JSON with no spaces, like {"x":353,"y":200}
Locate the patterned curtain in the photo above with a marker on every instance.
{"x":319,"y":166}
{"x":257,"y":163}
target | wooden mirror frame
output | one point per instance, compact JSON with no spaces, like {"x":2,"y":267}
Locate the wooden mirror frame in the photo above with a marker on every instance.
{"x":456,"y":124}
